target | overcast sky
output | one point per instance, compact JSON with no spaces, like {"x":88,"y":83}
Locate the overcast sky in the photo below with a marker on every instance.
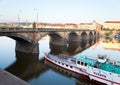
{"x":59,"y":11}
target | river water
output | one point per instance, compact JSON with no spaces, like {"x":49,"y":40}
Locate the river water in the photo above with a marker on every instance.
{"x":32,"y":69}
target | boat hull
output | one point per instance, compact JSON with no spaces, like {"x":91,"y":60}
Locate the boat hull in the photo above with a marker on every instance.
{"x":80,"y":73}
{"x":86,"y":75}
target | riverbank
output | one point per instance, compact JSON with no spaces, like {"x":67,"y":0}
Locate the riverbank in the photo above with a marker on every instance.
{"x":7,"y":78}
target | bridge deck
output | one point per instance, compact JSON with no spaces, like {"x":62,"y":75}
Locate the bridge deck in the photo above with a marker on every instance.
{"x":39,"y":30}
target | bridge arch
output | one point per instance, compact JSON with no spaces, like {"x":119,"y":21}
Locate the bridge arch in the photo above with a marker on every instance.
{"x":83,"y":35}
{"x":18,"y":37}
{"x":90,"y":35}
{"x":56,"y":38}
{"x":73,"y":36}
{"x":95,"y":33}
{"x":83,"y":44}
{"x":54,"y":35}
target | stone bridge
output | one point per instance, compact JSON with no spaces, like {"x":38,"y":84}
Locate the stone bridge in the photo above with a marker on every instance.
{"x":27,"y":38}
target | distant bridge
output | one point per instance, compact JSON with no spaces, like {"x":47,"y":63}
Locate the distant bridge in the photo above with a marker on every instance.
{"x":27,"y":38}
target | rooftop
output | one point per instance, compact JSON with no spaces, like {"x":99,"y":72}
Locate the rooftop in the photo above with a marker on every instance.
{"x":112,"y":22}
{"x":86,"y":23}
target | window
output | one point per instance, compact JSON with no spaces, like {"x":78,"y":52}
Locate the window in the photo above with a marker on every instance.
{"x":78,"y":62}
{"x":82,"y":63}
{"x":85,"y":64}
{"x":71,"y":67}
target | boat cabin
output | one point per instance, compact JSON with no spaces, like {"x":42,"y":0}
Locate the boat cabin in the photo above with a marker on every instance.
{"x":81,"y":61}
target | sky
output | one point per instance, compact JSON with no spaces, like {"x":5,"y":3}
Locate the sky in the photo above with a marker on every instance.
{"x":59,"y":11}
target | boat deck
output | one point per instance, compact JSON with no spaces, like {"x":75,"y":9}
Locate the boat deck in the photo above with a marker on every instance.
{"x":63,"y":59}
{"x":110,"y":67}
{"x":107,"y":66}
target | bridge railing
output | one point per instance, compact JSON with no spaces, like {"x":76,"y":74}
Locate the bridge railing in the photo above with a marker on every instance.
{"x":38,"y":30}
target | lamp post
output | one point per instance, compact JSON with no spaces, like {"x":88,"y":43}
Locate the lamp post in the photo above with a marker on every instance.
{"x":36,"y":17}
{"x":19,"y":18}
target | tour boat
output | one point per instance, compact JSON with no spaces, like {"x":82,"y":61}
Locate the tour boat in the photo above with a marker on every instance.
{"x":100,"y":69}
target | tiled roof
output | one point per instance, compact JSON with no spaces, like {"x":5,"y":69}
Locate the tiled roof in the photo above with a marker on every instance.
{"x":112,"y":22}
{"x":70,"y":24}
{"x":86,"y":23}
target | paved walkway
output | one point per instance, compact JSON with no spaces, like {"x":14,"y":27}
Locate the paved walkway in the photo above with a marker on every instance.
{"x":7,"y":78}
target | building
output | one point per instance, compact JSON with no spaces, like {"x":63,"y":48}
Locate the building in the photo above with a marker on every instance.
{"x":44,"y":25}
{"x":71,"y":26}
{"x":2,"y":24}
{"x":58,"y":26}
{"x":111,"y":25}
{"x":55,"y":25}
{"x":85,"y":26}
{"x":90,"y":26}
{"x":98,"y":27}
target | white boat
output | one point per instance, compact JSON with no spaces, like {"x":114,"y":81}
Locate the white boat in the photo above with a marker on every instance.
{"x":102,"y":69}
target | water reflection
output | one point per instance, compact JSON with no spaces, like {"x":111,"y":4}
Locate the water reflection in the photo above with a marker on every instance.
{"x":27,"y":66}
{"x":71,"y":48}
{"x":78,"y":79}
{"x":57,"y":48}
{"x":111,"y":44}
{"x":30,"y":68}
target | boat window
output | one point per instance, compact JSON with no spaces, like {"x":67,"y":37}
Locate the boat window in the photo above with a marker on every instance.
{"x":85,"y":64}
{"x":62,"y":63}
{"x":67,"y":65}
{"x":81,"y":63}
{"x":71,"y":67}
{"x":78,"y":62}
{"x":59,"y":62}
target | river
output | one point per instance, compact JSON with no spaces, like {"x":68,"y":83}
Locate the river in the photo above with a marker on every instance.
{"x":32,"y":69}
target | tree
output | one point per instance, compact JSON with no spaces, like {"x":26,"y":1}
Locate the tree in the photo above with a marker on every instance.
{"x":108,"y":33}
{"x":34,"y":25}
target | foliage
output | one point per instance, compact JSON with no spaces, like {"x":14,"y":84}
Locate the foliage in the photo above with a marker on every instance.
{"x":109,"y":33}
{"x":34,"y":25}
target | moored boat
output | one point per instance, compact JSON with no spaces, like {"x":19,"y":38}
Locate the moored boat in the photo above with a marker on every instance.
{"x":101,"y":69}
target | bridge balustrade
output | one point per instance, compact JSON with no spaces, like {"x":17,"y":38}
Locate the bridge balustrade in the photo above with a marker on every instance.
{"x":38,"y":30}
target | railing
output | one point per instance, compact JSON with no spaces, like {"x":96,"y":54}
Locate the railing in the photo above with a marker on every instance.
{"x":39,"y":30}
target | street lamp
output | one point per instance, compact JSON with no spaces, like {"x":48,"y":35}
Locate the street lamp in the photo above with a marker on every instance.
{"x":36,"y":17}
{"x":19,"y":18}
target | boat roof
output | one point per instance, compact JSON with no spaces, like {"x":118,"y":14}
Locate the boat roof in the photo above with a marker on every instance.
{"x":109,"y":65}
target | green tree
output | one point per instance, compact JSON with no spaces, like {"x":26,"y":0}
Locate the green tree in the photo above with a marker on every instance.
{"x":108,"y":33}
{"x":34,"y":25}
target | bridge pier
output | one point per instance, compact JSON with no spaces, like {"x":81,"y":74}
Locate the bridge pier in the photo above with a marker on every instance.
{"x":57,"y":48}
{"x":27,"y":47}
{"x":59,"y":41}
